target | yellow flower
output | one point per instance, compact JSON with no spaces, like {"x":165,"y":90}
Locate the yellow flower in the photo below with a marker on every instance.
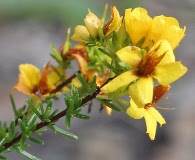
{"x":140,"y":25}
{"x":92,"y":23}
{"x":32,"y":82}
{"x":157,"y":63}
{"x":148,"y":111}
{"x":137,"y":24}
{"x":114,"y":23}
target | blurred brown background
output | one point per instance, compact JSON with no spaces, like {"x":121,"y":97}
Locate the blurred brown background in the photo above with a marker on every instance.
{"x":27,"y":28}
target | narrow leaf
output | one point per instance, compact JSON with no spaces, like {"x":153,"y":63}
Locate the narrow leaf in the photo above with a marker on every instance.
{"x":32,"y":120}
{"x":2,"y":131}
{"x":112,"y":106}
{"x":22,"y":142}
{"x":11,"y":128}
{"x":21,"y":124}
{"x":82,"y":116}
{"x":31,"y":105}
{"x":36,"y":140}
{"x":13,"y":106}
{"x":65,"y":133}
{"x":68,"y":119}
{"x":28,"y":155}
{"x":54,"y":113}
{"x":2,"y":157}
{"x":105,"y":52}
{"x":83,"y":82}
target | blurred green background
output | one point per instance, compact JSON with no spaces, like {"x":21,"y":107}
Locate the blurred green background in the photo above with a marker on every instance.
{"x":28,"y":27}
{"x":62,"y":11}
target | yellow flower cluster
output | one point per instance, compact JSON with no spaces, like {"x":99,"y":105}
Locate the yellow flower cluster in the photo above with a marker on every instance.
{"x":92,"y":23}
{"x":150,"y":58}
{"x":146,"y":52}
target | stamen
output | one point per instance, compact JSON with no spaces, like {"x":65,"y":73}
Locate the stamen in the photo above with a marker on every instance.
{"x":164,"y":108}
{"x":159,"y":92}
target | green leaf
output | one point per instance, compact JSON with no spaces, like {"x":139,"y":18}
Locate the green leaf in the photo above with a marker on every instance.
{"x":2,"y":148}
{"x":40,"y":131}
{"x":28,"y":155}
{"x":68,"y":119}
{"x":84,"y":83}
{"x":2,"y":131}
{"x":56,"y":55}
{"x":113,"y":69}
{"x":105,"y":52}
{"x":11,"y":128}
{"x":94,"y":85}
{"x":141,"y":42}
{"x":36,"y":140}
{"x":65,"y":133}
{"x":34,"y":109}
{"x":54,"y":113}
{"x":13,"y":106}
{"x":32,"y":120}
{"x":82,"y":116}
{"x":22,"y":125}
{"x":112,"y":106}
{"x":41,"y":108}
{"x":2,"y":157}
{"x":3,"y":141}
{"x":22,"y":142}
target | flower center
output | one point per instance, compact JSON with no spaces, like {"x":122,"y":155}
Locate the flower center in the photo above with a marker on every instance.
{"x":148,"y":63}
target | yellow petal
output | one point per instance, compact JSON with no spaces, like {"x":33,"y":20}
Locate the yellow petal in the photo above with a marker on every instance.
{"x":166,"y":28}
{"x":168,"y":73}
{"x":83,"y":66}
{"x":114,"y":23}
{"x":135,"y":112}
{"x":121,"y":80}
{"x":79,"y":33}
{"x":53,"y":79}
{"x":28,"y":79}
{"x":92,"y":22}
{"x":141,"y":91}
{"x":137,"y":24}
{"x":76,"y":82}
{"x":151,"y":125}
{"x":130,"y":55}
{"x":158,"y":117}
{"x":160,"y":48}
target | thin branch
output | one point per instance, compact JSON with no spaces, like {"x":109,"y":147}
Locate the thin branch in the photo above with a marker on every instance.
{"x":60,"y":86}
{"x":55,"y":118}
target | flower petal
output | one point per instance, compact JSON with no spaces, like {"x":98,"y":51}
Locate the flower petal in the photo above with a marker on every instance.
{"x":142,"y":91}
{"x":168,"y":73}
{"x":135,"y":112}
{"x":121,"y":80}
{"x":165,"y":28}
{"x":160,"y":48}
{"x":137,"y":23}
{"x":130,"y":55}
{"x":28,"y":79}
{"x":158,"y":117}
{"x":151,"y":125}
{"x":92,"y":22}
{"x":114,"y":23}
{"x":83,"y":66}
{"x":79,"y":33}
